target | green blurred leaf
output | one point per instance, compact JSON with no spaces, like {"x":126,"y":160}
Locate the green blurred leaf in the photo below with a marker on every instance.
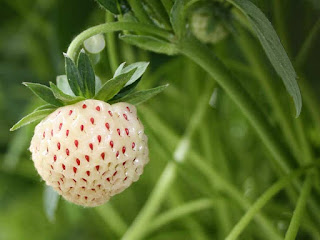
{"x":142,"y":96}
{"x":150,"y":43}
{"x":140,"y":69}
{"x":43,"y":92}
{"x":64,"y":97}
{"x":50,"y":202}
{"x":113,"y":86}
{"x":63,"y":85}
{"x":87,"y":74}
{"x":74,"y":77}
{"x":34,"y":116}
{"x":119,"y":69}
{"x":177,"y":17}
{"x":273,"y":48}
{"x":98,"y":84}
{"x":110,"y":5}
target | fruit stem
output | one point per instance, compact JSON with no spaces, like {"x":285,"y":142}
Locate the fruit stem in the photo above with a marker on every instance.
{"x":298,"y":212}
{"x":77,"y":42}
{"x":261,"y":202}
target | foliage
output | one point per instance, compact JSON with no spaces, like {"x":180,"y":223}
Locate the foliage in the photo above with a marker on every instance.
{"x":244,"y":166}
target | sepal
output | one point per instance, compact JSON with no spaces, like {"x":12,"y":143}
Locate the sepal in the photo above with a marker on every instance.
{"x":141,"y":96}
{"x":43,"y":92}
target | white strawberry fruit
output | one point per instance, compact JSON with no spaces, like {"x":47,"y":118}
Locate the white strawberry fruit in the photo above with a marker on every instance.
{"x":85,"y":148}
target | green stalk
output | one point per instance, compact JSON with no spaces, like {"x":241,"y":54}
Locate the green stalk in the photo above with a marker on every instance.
{"x":310,"y":99}
{"x":304,"y":156}
{"x":298,"y":212}
{"x":219,"y":183}
{"x":213,"y":151}
{"x":252,"y":52}
{"x":159,"y":12}
{"x":167,"y":5}
{"x":139,"y":11}
{"x":216,"y":180}
{"x":261,"y":202}
{"x":112,"y":218}
{"x":77,"y":42}
{"x":178,"y":212}
{"x":307,"y":45}
{"x":111,"y":45}
{"x":136,"y":229}
{"x":200,"y":54}
{"x":195,"y":229}
{"x":280,"y":23}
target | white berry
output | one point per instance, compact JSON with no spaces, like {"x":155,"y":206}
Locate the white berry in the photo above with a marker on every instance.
{"x":90,"y":151}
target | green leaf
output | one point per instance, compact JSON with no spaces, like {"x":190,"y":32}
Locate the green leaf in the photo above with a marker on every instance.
{"x":50,"y":202}
{"x":140,"y":69}
{"x":110,"y":5}
{"x":34,"y":116}
{"x":142,"y":96}
{"x":64,"y":97}
{"x":98,"y":84}
{"x":150,"y":43}
{"x":74,"y":77}
{"x":177,"y":17}
{"x":63,"y":85}
{"x":273,"y":48}
{"x":43,"y":92}
{"x":119,"y":69}
{"x":87,"y":74}
{"x":113,"y":86}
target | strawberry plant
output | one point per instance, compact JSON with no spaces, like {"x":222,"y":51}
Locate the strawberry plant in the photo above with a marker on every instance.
{"x":232,"y":142}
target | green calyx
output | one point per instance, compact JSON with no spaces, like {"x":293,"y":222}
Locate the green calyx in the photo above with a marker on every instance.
{"x":80,"y":83}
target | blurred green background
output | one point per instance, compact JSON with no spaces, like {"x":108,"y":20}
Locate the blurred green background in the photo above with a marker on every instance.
{"x":33,"y":36}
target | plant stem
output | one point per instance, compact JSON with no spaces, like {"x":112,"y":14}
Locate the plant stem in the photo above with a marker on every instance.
{"x":160,"y":13}
{"x":280,"y":24}
{"x":153,"y":203}
{"x":167,"y":5}
{"x":112,"y":218}
{"x":77,"y":42}
{"x":204,"y":57}
{"x":139,"y":12}
{"x":216,"y":180}
{"x":307,"y":44}
{"x":298,"y":212}
{"x":253,"y":53}
{"x":178,"y":212}
{"x":261,"y":202}
{"x":195,"y":229}
{"x":111,"y":45}
{"x":213,"y":150}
